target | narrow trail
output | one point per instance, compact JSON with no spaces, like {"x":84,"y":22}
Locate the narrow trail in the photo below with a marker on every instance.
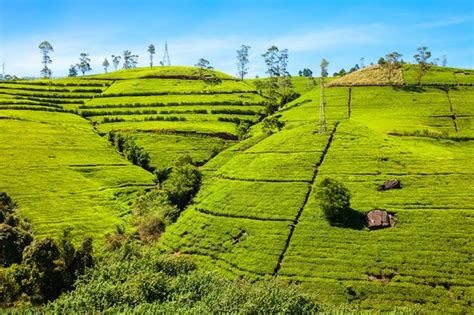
{"x":300,"y":211}
{"x":453,"y":113}
{"x":349,"y":109}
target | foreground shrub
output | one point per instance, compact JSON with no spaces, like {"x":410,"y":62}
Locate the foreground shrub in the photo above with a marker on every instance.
{"x":334,"y":199}
{"x":140,"y":280}
{"x":12,"y":243}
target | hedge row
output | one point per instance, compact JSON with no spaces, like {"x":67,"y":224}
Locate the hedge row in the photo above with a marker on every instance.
{"x":52,"y":83}
{"x":214,"y":103}
{"x":235,"y":120}
{"x":48,"y":95}
{"x":176,"y":93}
{"x":28,"y":88}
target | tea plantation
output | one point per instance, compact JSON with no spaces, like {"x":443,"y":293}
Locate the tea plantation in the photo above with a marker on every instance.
{"x":257,"y":213}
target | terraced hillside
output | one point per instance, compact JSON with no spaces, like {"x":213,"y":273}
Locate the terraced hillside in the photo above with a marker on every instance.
{"x":73,"y":177}
{"x":163,"y":105}
{"x":257,"y":213}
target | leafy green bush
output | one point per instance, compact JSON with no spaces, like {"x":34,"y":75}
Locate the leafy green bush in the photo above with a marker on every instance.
{"x":334,"y":199}
{"x":15,"y":233}
{"x":183,"y":183}
{"x":47,"y":269}
{"x":140,"y":280}
{"x":271,"y":125}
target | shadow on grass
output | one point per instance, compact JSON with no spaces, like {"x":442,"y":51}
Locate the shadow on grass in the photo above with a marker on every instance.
{"x":353,"y":219}
{"x":409,"y":88}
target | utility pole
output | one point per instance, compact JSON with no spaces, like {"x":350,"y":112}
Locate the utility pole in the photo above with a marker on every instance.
{"x":166,"y":57}
{"x":322,"y":102}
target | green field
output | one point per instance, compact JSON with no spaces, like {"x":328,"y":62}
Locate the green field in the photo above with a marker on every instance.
{"x":256,"y":213}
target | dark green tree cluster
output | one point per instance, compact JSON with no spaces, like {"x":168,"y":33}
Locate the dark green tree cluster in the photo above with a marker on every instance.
{"x":334,"y":199}
{"x":130,"y":150}
{"x":15,"y":233}
{"x":36,"y":270}
{"x":340,"y":73}
{"x":183,"y":182}
{"x":305,"y":73}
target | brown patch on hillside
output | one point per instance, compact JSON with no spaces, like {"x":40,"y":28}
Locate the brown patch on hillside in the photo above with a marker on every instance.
{"x":372,"y":75}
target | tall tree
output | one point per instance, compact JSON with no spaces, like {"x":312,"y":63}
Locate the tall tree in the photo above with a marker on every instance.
{"x":203,"y":64}
{"x":151,"y":50}
{"x":116,"y":61}
{"x":361,"y":62}
{"x":322,"y":105}
{"x":129,"y":60}
{"x":444,"y":60}
{"x":306,"y":73}
{"x":84,"y":63}
{"x":283,"y":63}
{"x":422,"y":58}
{"x":46,"y":49}
{"x":105,"y":64}
{"x":278,"y":85}
{"x":72,"y":71}
{"x":271,"y":57}
{"x":242,"y":61}
{"x":392,"y":63}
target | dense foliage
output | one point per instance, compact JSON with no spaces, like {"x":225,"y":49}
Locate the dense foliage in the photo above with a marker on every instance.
{"x":161,"y":206}
{"x":130,"y":150}
{"x":257,"y":208}
{"x":140,"y":280}
{"x":36,"y":270}
{"x":335,"y":201}
{"x":15,"y":233}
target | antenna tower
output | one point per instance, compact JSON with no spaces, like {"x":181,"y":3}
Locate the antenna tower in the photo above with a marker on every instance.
{"x":166,"y":57}
{"x":322,"y":110}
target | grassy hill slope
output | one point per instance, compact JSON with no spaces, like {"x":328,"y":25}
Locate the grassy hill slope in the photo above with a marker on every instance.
{"x":63,"y":174}
{"x":257,"y":214}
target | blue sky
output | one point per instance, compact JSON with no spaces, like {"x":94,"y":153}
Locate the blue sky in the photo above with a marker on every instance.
{"x":340,"y":31}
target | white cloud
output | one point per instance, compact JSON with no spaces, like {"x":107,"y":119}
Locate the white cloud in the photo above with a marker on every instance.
{"x":23,"y":58}
{"x":444,"y":22}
